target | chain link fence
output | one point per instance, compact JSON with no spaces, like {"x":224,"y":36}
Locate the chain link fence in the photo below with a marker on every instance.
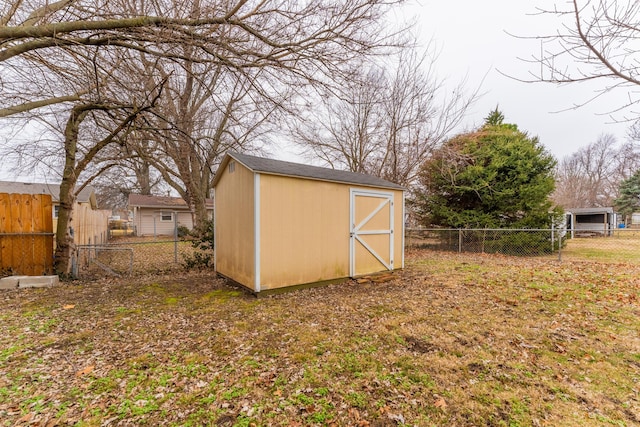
{"x":615,"y":245}
{"x":148,"y":255}
{"x":132,"y":255}
{"x":518,"y":242}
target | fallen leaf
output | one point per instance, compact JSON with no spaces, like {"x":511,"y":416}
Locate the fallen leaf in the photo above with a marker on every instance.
{"x":68,"y":306}
{"x":85,"y":371}
{"x":26,"y":418}
{"x":440,"y":403}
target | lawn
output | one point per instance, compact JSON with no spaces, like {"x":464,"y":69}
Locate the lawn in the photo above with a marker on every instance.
{"x":451,"y":340}
{"x":622,"y":246}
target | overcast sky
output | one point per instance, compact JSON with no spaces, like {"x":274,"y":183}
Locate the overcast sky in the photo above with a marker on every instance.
{"x":474,"y":42}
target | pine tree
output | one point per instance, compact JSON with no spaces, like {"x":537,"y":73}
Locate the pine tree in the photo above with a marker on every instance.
{"x":629,"y":199}
{"x":494,"y":177}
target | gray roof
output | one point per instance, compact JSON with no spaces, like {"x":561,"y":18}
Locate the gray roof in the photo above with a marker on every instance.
{"x":144,"y":201}
{"x":279,"y":167}
{"x":588,"y":211}
{"x":43,"y":188}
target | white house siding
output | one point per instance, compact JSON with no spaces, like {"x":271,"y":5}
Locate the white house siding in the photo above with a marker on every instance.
{"x":593,"y":227}
{"x":149,"y":222}
{"x":184,"y":218}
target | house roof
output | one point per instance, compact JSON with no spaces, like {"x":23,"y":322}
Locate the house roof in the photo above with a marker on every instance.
{"x":145,"y":201}
{"x":87,"y":195}
{"x":298,"y":170}
{"x":590,"y":211}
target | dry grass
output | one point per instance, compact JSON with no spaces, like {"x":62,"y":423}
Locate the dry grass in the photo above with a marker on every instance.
{"x":622,"y":246}
{"x":452,"y":340}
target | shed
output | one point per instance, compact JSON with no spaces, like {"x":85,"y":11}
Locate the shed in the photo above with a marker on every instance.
{"x":281,"y":224}
{"x":589,"y":221}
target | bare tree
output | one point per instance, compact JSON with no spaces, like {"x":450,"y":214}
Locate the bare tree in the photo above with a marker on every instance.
{"x":204,"y":112}
{"x":71,"y":58}
{"x":591,"y":176}
{"x":387,"y":122}
{"x":305,"y":38}
{"x":595,"y":42}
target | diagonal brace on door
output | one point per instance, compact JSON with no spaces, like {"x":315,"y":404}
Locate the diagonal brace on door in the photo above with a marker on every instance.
{"x":372,"y":214}
{"x":374,"y":253}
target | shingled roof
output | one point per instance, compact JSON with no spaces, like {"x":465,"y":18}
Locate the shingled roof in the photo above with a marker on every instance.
{"x":279,"y":167}
{"x":85,"y":195}
{"x":144,"y":201}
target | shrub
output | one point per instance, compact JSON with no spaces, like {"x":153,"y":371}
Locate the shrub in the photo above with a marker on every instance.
{"x":203,"y":244}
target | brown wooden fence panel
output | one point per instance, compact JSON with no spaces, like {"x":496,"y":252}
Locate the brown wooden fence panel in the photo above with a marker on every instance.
{"x":6,"y":244}
{"x":26,"y":234}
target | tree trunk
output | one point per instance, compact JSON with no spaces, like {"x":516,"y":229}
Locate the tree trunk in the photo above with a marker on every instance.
{"x":143,"y":175}
{"x":65,"y":247}
{"x":199,"y":210}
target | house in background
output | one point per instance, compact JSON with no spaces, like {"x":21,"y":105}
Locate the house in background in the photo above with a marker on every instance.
{"x":591,"y":221}
{"x":90,"y":225}
{"x":158,"y":215}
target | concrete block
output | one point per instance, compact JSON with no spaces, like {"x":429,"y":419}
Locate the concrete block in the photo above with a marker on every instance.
{"x":10,"y":282}
{"x":37,"y":281}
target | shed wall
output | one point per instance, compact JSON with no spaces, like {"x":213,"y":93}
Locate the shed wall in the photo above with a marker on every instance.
{"x":234,"y":225}
{"x":304,"y":231}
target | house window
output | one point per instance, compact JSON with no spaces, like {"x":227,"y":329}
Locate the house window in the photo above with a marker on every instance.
{"x":56,"y":211}
{"x":232,"y":166}
{"x":166,"y":216}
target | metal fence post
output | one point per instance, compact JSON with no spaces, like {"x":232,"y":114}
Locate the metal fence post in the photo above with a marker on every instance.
{"x":74,"y":264}
{"x":175,"y":237}
{"x":560,"y":246}
{"x":459,"y":240}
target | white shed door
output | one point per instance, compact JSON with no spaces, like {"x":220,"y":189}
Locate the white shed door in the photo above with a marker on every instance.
{"x":371,"y":232}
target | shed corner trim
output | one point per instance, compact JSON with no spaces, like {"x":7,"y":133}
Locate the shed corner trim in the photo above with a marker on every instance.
{"x":256,"y":230}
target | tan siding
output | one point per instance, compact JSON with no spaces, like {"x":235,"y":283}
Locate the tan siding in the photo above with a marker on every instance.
{"x":304,"y":231}
{"x":367,"y":205}
{"x":234,"y":225}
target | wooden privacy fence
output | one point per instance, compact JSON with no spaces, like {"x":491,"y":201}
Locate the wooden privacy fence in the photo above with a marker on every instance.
{"x":26,"y":234}
{"x":90,"y":227}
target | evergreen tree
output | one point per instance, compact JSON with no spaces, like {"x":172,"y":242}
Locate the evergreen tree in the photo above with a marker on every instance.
{"x":628,"y":200}
{"x":494,"y":177}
